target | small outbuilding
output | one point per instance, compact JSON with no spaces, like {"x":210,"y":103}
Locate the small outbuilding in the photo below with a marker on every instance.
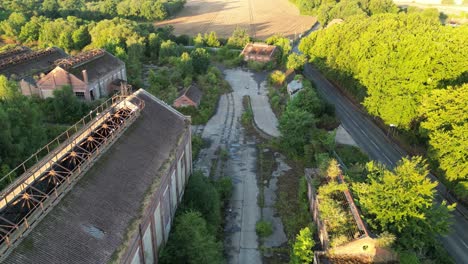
{"x":189,"y":97}
{"x":259,"y":52}
{"x":294,"y":87}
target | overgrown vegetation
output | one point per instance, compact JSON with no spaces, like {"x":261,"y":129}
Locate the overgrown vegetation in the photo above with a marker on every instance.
{"x":197,"y":233}
{"x":423,"y":71}
{"x":402,"y":202}
{"x":212,"y":84}
{"x":263,"y":228}
{"x":326,"y":11}
{"x":26,"y":124}
{"x":302,"y":249}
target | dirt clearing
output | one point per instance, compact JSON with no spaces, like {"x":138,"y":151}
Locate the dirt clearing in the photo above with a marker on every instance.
{"x":262,"y":18}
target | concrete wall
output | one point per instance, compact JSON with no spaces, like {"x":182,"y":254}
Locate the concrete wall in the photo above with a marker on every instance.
{"x":158,"y":218}
{"x":101,"y":86}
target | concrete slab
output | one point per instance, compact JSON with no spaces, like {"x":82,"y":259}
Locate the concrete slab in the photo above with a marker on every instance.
{"x":343,"y":137}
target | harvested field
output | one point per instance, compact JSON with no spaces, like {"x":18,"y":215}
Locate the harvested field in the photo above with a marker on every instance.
{"x":262,"y":18}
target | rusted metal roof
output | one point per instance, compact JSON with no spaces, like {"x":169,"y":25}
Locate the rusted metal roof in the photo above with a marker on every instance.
{"x":30,"y":63}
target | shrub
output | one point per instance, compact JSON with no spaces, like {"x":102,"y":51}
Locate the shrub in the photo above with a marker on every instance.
{"x":333,"y":170}
{"x":192,"y":240}
{"x":408,"y":258}
{"x":302,"y":249}
{"x":277,"y":78}
{"x":263,"y":228}
{"x":296,"y":61}
{"x":338,"y":240}
{"x":256,"y":66}
{"x":386,"y":239}
{"x":201,"y":195}
{"x":461,"y":190}
{"x":224,"y":187}
{"x":197,"y":145}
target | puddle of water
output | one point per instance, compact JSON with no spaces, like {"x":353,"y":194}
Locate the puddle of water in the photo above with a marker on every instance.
{"x":93,"y":231}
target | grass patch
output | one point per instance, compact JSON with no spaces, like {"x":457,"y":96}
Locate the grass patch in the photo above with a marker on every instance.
{"x":351,"y":155}
{"x":263,"y":228}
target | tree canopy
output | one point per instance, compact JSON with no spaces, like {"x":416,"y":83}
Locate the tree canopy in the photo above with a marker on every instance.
{"x":402,"y":202}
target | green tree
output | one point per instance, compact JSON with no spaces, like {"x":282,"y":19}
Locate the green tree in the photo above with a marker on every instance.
{"x":81,"y":38}
{"x":201,"y":195}
{"x":402,"y":202}
{"x":446,"y":120}
{"x":282,"y":43}
{"x":8,"y":89}
{"x":185,"y":65}
{"x":295,"y":126}
{"x":12,"y":26}
{"x":50,"y":7}
{"x":191,"y":242}
{"x":296,"y":61}
{"x":168,"y":49}
{"x":302,"y":249}
{"x":239,"y":38}
{"x":198,"y":41}
{"x":212,"y":40}
{"x":200,"y":60}
{"x":67,"y":107}
{"x":30,"y":31}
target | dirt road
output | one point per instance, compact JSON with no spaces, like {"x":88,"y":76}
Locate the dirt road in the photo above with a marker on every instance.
{"x":262,"y":18}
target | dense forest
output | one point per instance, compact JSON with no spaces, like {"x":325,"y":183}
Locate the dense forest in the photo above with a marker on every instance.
{"x":410,"y":71}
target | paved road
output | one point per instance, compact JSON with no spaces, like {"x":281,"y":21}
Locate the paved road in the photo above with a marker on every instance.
{"x":254,"y":85}
{"x":373,"y":141}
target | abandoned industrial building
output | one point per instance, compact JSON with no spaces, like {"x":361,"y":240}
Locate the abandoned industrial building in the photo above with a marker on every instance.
{"x":359,"y":244}
{"x":259,"y":52}
{"x":107,"y":193}
{"x":91,"y":74}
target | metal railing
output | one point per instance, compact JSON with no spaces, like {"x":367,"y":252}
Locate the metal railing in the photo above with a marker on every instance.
{"x":40,"y":202}
{"x":34,"y":160}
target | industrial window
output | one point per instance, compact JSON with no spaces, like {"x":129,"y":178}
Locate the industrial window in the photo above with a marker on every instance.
{"x":80,"y":95}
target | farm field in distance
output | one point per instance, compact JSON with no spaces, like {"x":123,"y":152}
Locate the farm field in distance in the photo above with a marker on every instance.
{"x":262,"y":18}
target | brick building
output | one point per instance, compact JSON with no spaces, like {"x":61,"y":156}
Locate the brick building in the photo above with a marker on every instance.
{"x":189,"y":97}
{"x":117,"y":205}
{"x":91,"y":74}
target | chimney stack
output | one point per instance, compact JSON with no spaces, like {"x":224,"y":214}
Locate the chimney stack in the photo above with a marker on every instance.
{"x":85,"y":76}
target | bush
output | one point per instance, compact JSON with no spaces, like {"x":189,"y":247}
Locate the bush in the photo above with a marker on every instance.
{"x":461,"y":190}
{"x":201,"y":195}
{"x":338,"y":240}
{"x":302,"y":249}
{"x":351,"y":155}
{"x":386,"y":239}
{"x":224,"y":187}
{"x":263,"y":228}
{"x":296,"y":61}
{"x":197,"y":145}
{"x":277,"y":78}
{"x":408,"y":258}
{"x":191,"y":240}
{"x":256,"y":66}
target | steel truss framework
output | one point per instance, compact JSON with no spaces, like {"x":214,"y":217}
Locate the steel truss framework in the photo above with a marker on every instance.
{"x":38,"y":197}
{"x":79,"y":59}
{"x":25,"y":57}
